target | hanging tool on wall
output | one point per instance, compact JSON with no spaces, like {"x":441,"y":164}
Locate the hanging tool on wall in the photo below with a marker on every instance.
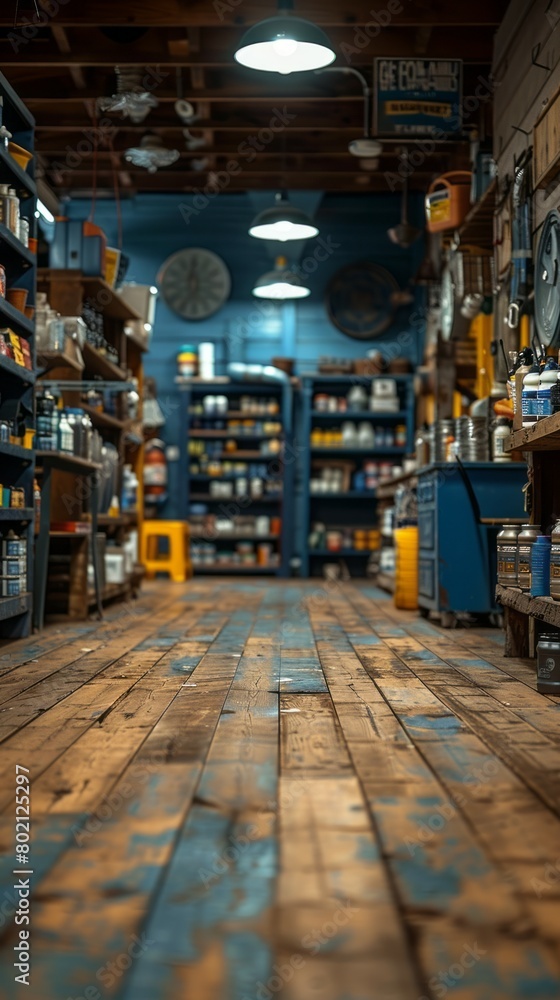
{"x":547,"y":281}
{"x":522,"y":247}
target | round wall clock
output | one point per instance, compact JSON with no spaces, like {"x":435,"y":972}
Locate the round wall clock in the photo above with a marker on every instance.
{"x":195,"y":283}
{"x":361,"y":300}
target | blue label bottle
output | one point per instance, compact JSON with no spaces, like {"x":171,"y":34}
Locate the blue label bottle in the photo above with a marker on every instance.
{"x":540,"y":567}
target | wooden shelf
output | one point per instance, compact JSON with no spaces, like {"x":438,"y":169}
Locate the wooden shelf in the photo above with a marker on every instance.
{"x":16,"y":319}
{"x":545,"y":609}
{"x":112,"y":304}
{"x":65,"y":462}
{"x":103,"y":421}
{"x":58,"y":359}
{"x":98,"y":364}
{"x":543,"y":435}
{"x":11,"y":367}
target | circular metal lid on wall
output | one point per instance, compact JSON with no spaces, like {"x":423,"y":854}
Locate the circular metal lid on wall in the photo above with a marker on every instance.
{"x":361,"y":300}
{"x":194,"y":283}
{"x":547,"y":282}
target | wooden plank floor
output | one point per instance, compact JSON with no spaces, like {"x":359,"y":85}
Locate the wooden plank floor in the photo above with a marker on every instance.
{"x":243,"y":790}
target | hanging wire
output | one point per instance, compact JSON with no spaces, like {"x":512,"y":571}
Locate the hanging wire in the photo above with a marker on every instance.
{"x":114,"y":159}
{"x":37,"y":11}
{"x":94,"y":168}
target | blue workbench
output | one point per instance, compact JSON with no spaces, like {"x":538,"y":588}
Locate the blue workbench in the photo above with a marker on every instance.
{"x":457,"y":554}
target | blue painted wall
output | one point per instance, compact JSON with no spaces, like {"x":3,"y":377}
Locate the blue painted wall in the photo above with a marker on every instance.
{"x":354,"y":227}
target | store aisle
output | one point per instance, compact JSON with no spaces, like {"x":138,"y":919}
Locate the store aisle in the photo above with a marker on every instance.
{"x":242,"y":791}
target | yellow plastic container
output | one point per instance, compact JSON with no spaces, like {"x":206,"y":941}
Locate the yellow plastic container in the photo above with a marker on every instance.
{"x":448,"y":201}
{"x":406,"y":567}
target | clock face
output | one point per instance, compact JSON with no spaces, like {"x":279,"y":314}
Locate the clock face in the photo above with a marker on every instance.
{"x":361,"y":300}
{"x":195,"y":283}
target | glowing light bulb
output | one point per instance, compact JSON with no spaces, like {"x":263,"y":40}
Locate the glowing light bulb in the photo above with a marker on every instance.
{"x":285,"y":47}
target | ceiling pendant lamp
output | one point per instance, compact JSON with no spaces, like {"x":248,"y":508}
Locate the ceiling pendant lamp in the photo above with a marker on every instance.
{"x":280,"y":284}
{"x":283,"y":222}
{"x":285,"y":44}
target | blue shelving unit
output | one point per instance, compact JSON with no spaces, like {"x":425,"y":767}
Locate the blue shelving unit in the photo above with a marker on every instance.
{"x":196,"y":486}
{"x":351,"y":509}
{"x":17,"y":464}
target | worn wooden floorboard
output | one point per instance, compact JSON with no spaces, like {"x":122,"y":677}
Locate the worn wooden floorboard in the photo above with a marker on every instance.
{"x":243,"y":790}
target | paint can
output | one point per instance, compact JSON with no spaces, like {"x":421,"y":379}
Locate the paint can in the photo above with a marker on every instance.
{"x":548,"y":664}
{"x":507,"y":555}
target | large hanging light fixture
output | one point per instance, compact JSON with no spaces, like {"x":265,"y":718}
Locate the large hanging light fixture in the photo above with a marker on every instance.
{"x":285,"y":44}
{"x":283,"y":222}
{"x":280,"y":284}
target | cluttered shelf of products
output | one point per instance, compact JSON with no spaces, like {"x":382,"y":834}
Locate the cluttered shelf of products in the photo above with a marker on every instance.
{"x":18,"y":248}
{"x":223,"y":476}
{"x":89,"y":419}
{"x":357,"y":431}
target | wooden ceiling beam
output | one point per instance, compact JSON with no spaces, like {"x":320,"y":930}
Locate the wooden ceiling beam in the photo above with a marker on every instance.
{"x":218,"y":46}
{"x":328,"y":13}
{"x":76,"y":72}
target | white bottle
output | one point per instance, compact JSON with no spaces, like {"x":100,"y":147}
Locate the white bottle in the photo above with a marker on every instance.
{"x":500,"y":436}
{"x":14,"y":212}
{"x":65,"y":434}
{"x":529,"y":396}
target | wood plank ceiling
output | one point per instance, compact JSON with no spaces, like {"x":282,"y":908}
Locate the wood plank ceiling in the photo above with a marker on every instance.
{"x":185,"y":47}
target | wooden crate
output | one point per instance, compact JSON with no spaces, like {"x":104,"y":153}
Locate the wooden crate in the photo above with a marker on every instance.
{"x":546,"y":143}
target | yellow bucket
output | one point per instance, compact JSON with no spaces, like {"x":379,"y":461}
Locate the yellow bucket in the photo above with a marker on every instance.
{"x":406,"y":567}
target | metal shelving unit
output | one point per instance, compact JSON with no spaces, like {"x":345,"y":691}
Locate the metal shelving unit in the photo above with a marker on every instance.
{"x":274,"y":504}
{"x":351,"y":508}
{"x":16,"y":382}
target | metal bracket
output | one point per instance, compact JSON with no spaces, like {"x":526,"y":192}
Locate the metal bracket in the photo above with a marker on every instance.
{"x":535,"y":55}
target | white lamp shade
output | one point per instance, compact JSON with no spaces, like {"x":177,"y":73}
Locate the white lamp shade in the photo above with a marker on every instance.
{"x":285,"y":45}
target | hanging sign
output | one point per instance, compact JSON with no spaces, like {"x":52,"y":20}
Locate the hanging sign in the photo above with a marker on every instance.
{"x":417,"y":97}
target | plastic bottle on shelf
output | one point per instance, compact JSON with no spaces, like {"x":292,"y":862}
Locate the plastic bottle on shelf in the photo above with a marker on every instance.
{"x":36,"y":505}
{"x":130,"y":489}
{"x":540,"y":567}
{"x":555,"y":562}
{"x":65,"y":434}
{"x":500,"y":436}
{"x":114,"y":509}
{"x":549,"y":377}
{"x":529,"y":395}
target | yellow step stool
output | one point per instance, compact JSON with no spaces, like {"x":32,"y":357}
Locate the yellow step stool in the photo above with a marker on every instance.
{"x":177,"y":560}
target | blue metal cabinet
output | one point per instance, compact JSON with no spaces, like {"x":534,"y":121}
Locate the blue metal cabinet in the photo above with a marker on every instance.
{"x":457,"y":554}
